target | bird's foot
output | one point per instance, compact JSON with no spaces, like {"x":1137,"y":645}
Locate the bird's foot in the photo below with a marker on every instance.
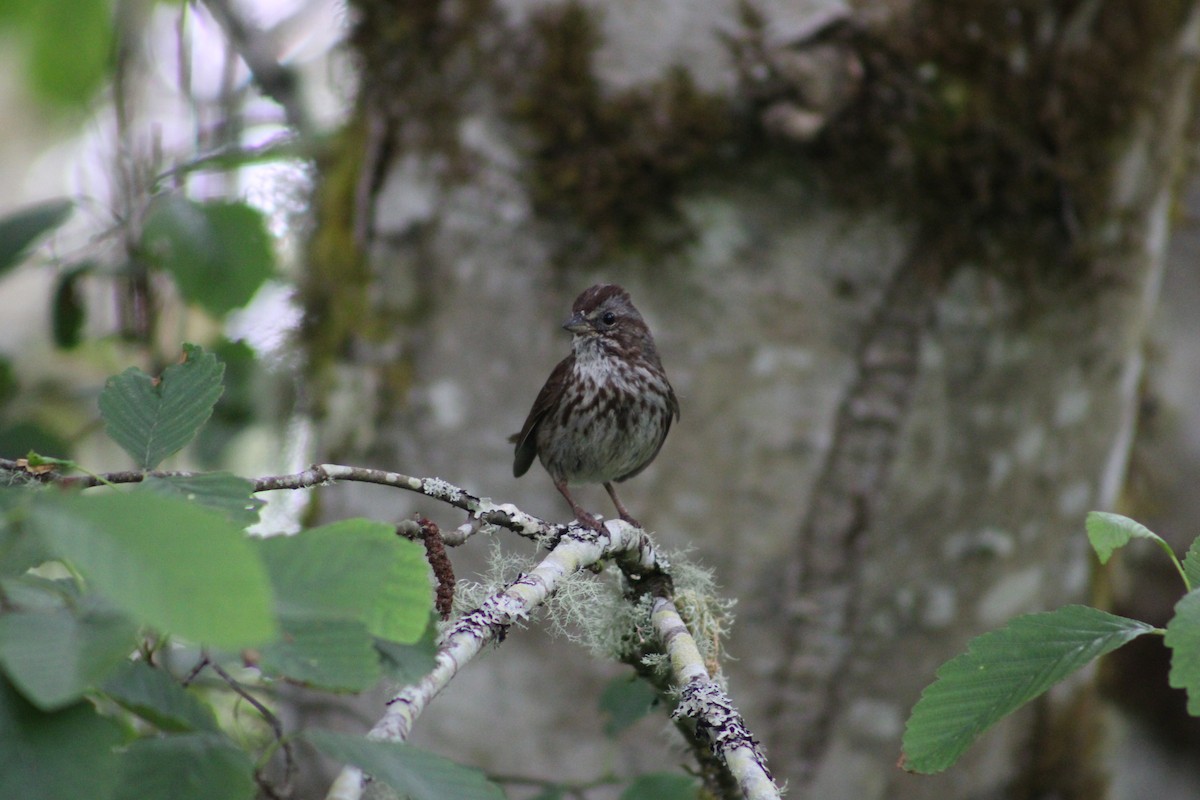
{"x":590,"y":521}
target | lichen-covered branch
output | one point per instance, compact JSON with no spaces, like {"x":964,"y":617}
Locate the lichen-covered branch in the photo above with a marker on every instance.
{"x":482,"y":509}
{"x":702,"y":700}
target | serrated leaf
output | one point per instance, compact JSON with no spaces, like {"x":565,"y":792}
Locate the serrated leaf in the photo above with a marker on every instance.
{"x":1000,"y":672}
{"x":157,"y":697}
{"x":54,"y":656}
{"x":21,"y":229}
{"x":661,"y":786}
{"x":166,"y":562}
{"x":191,"y":766}
{"x":1108,"y":532}
{"x":65,"y":755}
{"x":219,"y":253}
{"x":352,"y":570}
{"x":418,"y":774}
{"x":1183,"y":637}
{"x":222,"y":492}
{"x":1191,"y":565}
{"x":624,"y":701}
{"x":336,"y":655}
{"x":152,"y":419}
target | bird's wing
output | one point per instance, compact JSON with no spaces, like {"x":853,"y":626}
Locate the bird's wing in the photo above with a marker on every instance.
{"x":547,"y":399}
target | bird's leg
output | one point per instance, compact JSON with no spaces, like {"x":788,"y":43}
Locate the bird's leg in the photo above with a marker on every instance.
{"x":580,"y":515}
{"x":608,"y":487}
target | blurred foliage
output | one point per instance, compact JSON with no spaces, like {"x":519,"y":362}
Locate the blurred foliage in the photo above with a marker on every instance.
{"x":21,"y":229}
{"x":66,"y":46}
{"x":218,"y":252}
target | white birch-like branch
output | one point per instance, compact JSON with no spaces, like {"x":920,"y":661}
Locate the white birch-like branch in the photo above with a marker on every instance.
{"x":702,"y":699}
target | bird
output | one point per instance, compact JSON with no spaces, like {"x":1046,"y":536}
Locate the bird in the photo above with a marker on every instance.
{"x":604,"y":412}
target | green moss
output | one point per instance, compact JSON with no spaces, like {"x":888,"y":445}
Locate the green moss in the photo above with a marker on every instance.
{"x":416,"y":58}
{"x":1001,"y":119}
{"x":419,"y":58}
{"x":334,"y":291}
{"x":612,"y":164}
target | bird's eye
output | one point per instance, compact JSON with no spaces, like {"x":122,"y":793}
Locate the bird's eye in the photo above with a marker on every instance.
{"x":609,"y":318}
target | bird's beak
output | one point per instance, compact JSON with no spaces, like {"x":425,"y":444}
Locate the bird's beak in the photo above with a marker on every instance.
{"x":577,"y":323}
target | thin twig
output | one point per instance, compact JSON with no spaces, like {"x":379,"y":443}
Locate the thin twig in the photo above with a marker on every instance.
{"x":195,"y":671}
{"x":505,"y":515}
{"x":289,"y":761}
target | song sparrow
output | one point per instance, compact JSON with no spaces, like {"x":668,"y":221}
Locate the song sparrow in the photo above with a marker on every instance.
{"x":606,"y":408}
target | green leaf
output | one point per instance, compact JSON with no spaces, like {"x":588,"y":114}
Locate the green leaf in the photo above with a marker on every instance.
{"x":662,"y":786}
{"x":66,"y":755}
{"x":352,"y":570}
{"x":191,"y":766}
{"x":157,"y":697}
{"x":550,"y":793}
{"x":330,"y":654}
{"x":166,"y":562}
{"x":222,"y":492}
{"x":219,"y":252}
{"x":416,"y":773}
{"x":1001,"y":671}
{"x":22,"y":228}
{"x":624,"y":701}
{"x":408,"y":663}
{"x":1108,"y":532}
{"x":54,"y":657}
{"x":151,"y":419}
{"x":1191,"y":565}
{"x":70,"y":44}
{"x":67,"y":309}
{"x":1183,"y":637}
